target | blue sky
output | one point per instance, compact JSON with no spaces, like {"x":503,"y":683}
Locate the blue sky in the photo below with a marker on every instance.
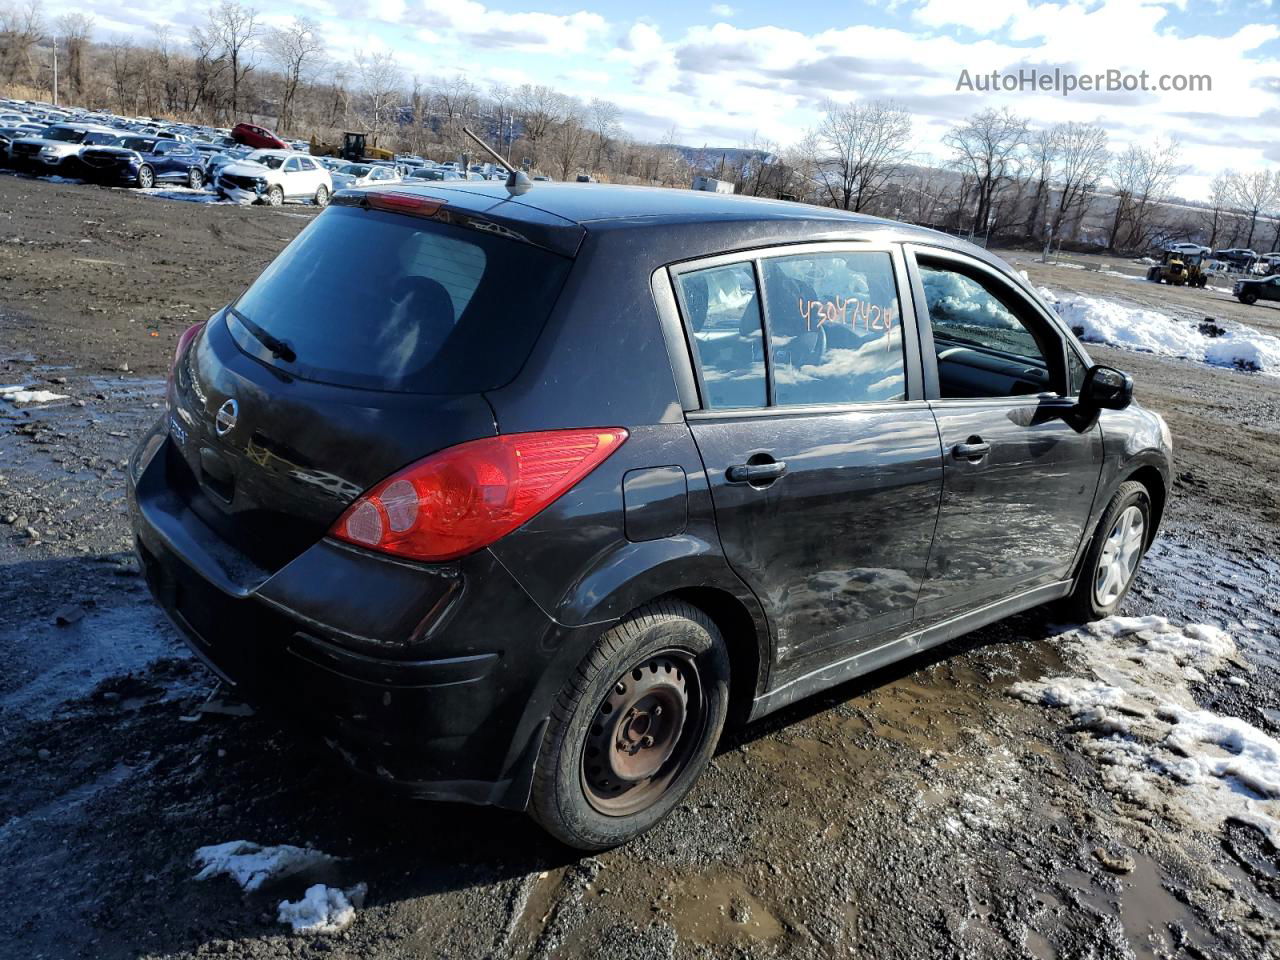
{"x":728,"y":73}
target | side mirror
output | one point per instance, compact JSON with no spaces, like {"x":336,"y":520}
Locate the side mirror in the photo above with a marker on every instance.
{"x":1106,"y":388}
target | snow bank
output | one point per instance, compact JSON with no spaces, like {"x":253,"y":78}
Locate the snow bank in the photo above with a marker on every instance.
{"x":323,"y":909}
{"x":1158,"y":747}
{"x":21,"y":394}
{"x":252,"y":865}
{"x":1136,"y":328}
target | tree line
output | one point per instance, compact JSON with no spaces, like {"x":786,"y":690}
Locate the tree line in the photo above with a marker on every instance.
{"x":1000,"y":176}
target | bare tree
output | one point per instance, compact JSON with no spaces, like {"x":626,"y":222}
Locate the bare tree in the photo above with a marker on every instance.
{"x":234,"y":28}
{"x":984,"y":147}
{"x":1082,"y":152}
{"x":296,"y":49}
{"x":22,"y":26}
{"x":378,"y":81}
{"x":861,"y":146}
{"x":602,"y":119}
{"x":74,"y":30}
{"x":1143,"y":178}
{"x":1254,"y":193}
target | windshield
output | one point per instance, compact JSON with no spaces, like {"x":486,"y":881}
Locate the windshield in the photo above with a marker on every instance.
{"x":141,"y":144}
{"x":427,"y":308}
{"x":267,"y":160}
{"x":65,"y":134}
{"x":355,"y":169}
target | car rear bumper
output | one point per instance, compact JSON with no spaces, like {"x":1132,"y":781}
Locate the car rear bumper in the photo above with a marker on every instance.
{"x":453,"y":711}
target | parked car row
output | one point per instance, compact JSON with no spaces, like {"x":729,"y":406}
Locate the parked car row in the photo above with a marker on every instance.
{"x":246,"y":164}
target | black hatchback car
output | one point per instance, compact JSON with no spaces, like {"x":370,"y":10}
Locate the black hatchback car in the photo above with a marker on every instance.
{"x":521,"y":509}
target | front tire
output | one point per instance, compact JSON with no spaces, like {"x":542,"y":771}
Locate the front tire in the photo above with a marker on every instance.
{"x":275,"y":197}
{"x":1248,"y":299}
{"x":633,"y":728}
{"x":146,"y":177}
{"x":195,"y":179}
{"x":1111,"y":563}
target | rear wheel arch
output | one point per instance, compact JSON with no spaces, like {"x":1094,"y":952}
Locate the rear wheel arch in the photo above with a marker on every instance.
{"x":738,"y":629}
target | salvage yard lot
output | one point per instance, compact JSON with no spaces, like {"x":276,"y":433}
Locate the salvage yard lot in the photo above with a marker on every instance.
{"x":924,"y":811}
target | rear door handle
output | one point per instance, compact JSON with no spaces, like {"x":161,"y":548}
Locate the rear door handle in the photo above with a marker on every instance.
{"x":973,"y":450}
{"x":756,"y":472}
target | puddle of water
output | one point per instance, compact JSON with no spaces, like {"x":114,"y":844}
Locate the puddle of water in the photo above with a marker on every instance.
{"x":717,"y":909}
{"x":1147,"y":909}
{"x":52,"y":664}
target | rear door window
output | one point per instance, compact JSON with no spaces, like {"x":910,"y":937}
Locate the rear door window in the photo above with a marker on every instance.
{"x":722,"y":309}
{"x":835,"y":328}
{"x":426,"y":307}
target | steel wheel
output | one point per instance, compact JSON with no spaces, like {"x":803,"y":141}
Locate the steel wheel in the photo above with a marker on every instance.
{"x":1119,"y":558}
{"x":642,"y":734}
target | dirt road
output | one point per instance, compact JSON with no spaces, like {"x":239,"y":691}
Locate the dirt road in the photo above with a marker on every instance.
{"x":920,"y":812}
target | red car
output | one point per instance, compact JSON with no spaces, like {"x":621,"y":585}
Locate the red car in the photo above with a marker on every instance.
{"x":251,"y":135}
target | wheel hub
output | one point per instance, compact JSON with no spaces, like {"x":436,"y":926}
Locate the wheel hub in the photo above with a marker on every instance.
{"x":1118,"y":561}
{"x":636,"y":733}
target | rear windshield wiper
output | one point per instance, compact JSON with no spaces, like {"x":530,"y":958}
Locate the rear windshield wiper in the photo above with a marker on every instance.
{"x":280,"y":350}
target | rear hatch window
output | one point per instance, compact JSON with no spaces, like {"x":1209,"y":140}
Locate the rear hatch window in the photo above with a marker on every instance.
{"x":382,"y":301}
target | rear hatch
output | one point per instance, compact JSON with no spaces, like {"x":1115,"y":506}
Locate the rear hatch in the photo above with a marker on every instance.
{"x":366,"y":345}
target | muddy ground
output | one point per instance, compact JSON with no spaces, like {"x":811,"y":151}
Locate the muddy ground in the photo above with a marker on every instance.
{"x":920,"y":812}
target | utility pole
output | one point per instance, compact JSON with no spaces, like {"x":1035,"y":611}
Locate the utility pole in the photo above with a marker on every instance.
{"x":55,"y":69}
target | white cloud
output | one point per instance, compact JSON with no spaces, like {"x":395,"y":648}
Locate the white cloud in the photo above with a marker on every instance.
{"x":722,"y":10}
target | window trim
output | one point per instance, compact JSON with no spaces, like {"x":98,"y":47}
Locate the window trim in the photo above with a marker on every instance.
{"x":972,"y":266}
{"x":687,"y":366}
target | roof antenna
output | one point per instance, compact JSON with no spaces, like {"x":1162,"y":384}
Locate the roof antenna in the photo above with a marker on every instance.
{"x":518,"y":182}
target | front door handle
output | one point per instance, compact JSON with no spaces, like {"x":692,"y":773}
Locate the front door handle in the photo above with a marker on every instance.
{"x":973,"y":449}
{"x":755,"y":473}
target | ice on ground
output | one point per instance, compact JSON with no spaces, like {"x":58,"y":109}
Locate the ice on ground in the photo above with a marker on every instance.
{"x":323,"y":909}
{"x":1158,"y":747}
{"x":251,"y":865}
{"x":24,"y":394}
{"x":1136,"y":328}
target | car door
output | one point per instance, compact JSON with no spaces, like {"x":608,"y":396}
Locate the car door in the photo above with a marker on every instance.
{"x":821,"y":453}
{"x":310,"y":176}
{"x":292,"y":179}
{"x":1021,"y":461}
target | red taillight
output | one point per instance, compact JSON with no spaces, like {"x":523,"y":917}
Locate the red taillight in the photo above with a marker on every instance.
{"x":184,"y":341}
{"x":410,"y":203}
{"x":466,"y":497}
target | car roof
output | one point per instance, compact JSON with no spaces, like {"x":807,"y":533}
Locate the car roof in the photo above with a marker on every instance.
{"x":559,"y":216}
{"x":589,"y":203}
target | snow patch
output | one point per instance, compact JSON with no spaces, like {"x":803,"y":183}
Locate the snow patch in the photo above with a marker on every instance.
{"x":1158,"y":747}
{"x":1150,"y":331}
{"x":323,"y":909}
{"x":22,"y":394}
{"x":251,"y":865}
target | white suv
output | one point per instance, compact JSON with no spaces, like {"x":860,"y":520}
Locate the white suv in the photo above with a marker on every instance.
{"x":274,"y":176}
{"x":50,"y":151}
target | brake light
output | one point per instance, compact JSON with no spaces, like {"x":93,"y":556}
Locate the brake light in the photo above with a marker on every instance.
{"x":184,"y":341}
{"x":466,"y":497}
{"x":410,"y":203}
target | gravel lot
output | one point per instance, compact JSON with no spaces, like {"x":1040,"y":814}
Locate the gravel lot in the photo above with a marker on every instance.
{"x":919,"y":812}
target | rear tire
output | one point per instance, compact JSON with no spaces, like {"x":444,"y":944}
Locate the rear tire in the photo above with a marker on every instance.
{"x":633,"y":728}
{"x":322,"y":196}
{"x":146,"y":177}
{"x":1111,"y":562}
